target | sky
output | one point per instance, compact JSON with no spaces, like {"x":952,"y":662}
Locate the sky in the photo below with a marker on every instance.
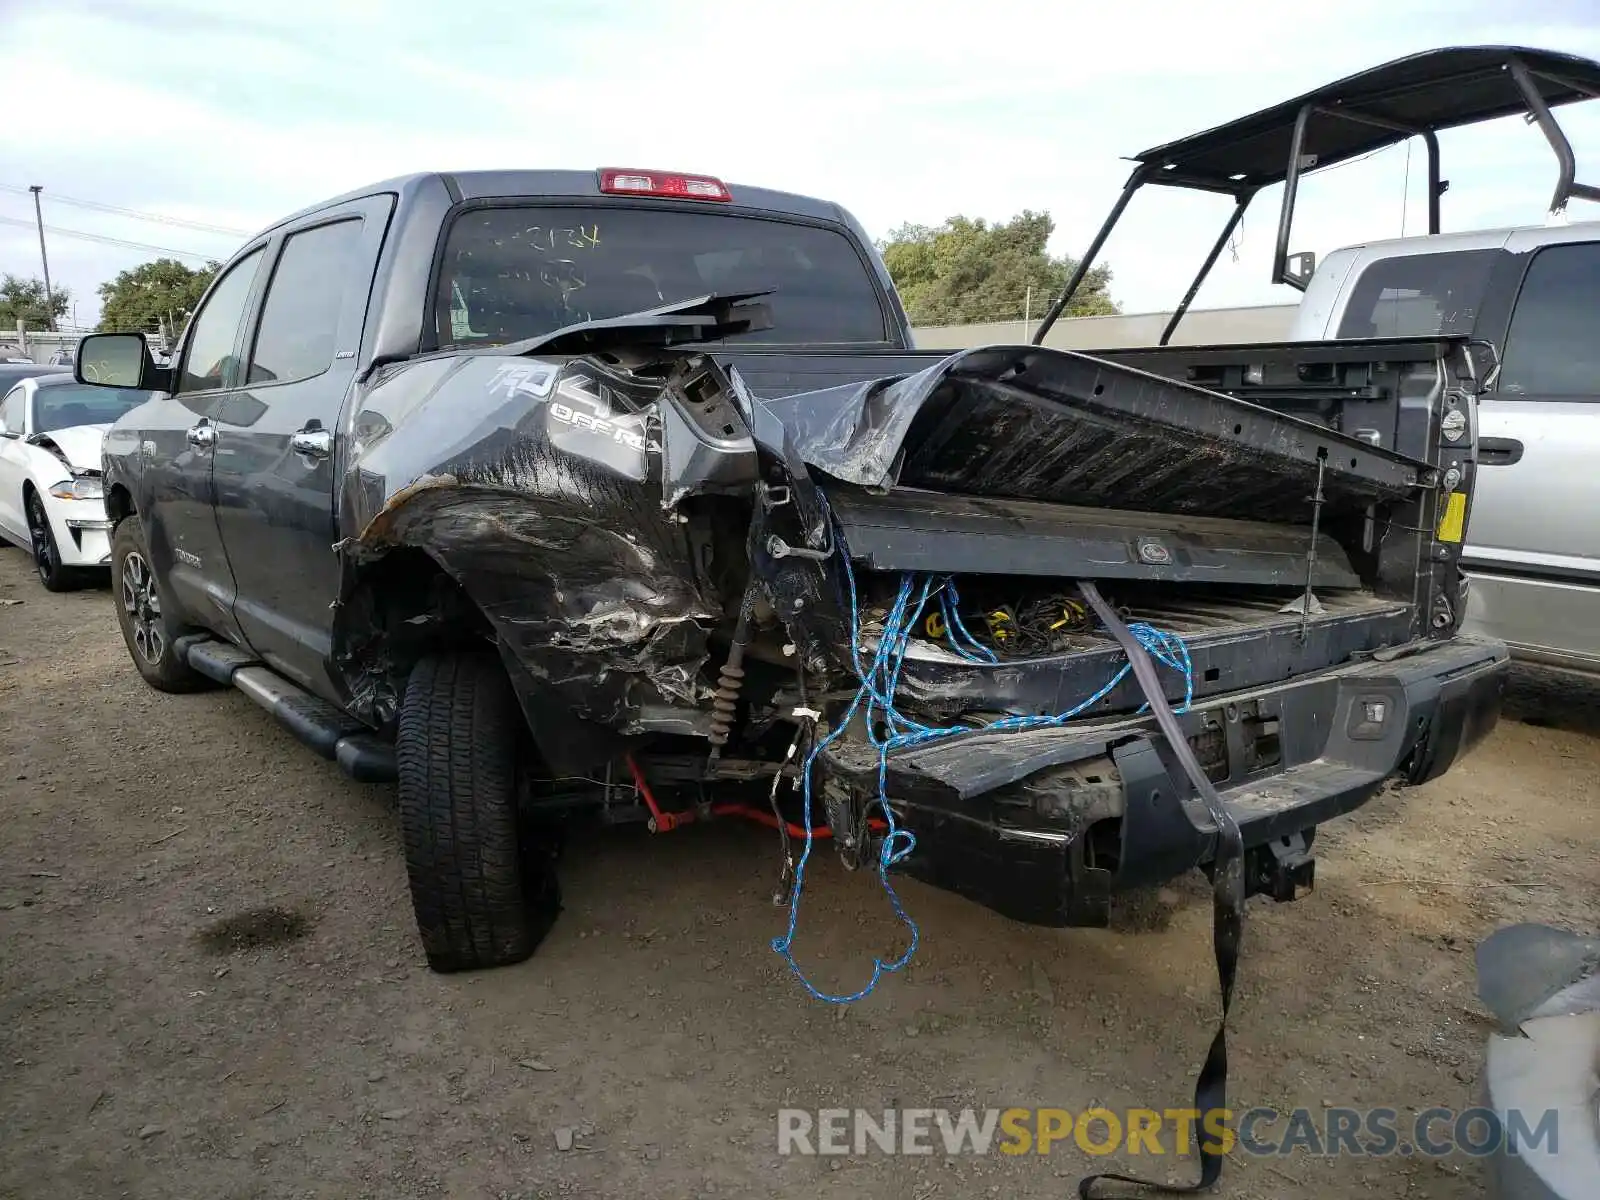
{"x":231,"y":115}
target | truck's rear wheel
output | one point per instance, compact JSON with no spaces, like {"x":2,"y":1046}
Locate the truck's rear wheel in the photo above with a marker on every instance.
{"x":482,"y":896}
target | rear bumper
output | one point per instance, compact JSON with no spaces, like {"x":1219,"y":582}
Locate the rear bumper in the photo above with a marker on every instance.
{"x":1045,"y":826}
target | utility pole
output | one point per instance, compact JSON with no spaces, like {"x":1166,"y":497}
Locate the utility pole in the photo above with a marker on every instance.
{"x":49,"y":295}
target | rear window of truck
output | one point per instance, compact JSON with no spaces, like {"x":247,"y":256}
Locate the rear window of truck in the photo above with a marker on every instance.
{"x":518,"y":272}
{"x":1418,"y":295}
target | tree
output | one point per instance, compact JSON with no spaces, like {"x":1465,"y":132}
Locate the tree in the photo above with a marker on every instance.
{"x":968,"y":271}
{"x":24,"y":300}
{"x":156,"y":296}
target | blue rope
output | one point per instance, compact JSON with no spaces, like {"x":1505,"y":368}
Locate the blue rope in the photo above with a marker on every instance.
{"x":956,"y":630}
{"x":890,"y":730}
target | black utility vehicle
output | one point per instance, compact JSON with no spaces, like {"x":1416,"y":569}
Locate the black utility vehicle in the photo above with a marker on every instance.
{"x":560,"y":492}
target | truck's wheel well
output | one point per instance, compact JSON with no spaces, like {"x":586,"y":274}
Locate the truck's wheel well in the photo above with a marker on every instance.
{"x":119,"y":503}
{"x":401,"y":607}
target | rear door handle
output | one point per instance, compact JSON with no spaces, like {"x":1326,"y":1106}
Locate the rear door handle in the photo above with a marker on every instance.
{"x":1499,"y":452}
{"x":313,"y":441}
{"x":203,"y":435}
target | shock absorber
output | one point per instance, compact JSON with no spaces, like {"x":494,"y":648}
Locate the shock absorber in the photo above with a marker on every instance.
{"x":730,"y":681}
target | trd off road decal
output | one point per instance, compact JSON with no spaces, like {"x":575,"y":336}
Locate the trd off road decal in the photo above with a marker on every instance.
{"x":580,"y":404}
{"x":524,"y":379}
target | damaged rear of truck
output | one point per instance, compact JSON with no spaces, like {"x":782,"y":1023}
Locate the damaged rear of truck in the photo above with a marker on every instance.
{"x":1027,"y":625}
{"x":889,"y":594}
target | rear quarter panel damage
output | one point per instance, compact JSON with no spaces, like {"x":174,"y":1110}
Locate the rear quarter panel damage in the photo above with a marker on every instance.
{"x":534,"y":484}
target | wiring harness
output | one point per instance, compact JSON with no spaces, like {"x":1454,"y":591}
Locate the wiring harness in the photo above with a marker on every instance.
{"x":891,"y":730}
{"x":1032,"y":629}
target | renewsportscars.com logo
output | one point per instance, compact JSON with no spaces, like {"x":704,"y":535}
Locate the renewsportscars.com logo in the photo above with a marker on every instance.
{"x":1262,"y":1132}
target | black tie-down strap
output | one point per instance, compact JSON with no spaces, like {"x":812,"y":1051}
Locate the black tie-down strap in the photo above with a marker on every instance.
{"x":1227,"y":906}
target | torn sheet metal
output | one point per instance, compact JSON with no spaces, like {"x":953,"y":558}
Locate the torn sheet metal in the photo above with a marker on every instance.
{"x":534,"y":484}
{"x":706,"y":447}
{"x":76,"y":446}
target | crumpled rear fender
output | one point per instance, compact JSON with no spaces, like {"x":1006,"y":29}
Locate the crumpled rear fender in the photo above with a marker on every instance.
{"x":536,"y":486}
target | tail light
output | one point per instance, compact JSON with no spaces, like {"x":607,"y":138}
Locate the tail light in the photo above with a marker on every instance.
{"x":618,"y":181}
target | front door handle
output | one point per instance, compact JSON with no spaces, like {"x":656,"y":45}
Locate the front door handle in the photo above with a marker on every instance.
{"x":1499,"y":452}
{"x":313,"y":441}
{"x":203,"y":435}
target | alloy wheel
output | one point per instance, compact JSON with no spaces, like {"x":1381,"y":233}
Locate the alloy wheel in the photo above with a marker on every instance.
{"x":142,"y":604}
{"x":44,"y":548}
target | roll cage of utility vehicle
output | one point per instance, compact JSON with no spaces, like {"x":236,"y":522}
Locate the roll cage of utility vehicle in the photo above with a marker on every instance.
{"x":1419,"y":96}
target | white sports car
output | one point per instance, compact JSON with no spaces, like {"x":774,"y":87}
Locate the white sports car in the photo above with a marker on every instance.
{"x":50,"y":498}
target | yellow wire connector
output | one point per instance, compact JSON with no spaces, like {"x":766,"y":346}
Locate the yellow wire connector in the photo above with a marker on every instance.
{"x":1000,"y":622}
{"x":1072,"y":614}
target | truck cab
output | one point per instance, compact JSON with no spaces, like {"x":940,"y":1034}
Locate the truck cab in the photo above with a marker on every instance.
{"x":236,"y":471}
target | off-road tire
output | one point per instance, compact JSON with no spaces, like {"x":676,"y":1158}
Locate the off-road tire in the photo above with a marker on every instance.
{"x":482,"y":896}
{"x":163,"y":670}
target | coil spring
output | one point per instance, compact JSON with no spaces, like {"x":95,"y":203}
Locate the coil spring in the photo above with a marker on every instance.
{"x":730,"y":682}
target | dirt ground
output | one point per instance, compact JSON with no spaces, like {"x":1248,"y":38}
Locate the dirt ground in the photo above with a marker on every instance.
{"x":146,"y":1050}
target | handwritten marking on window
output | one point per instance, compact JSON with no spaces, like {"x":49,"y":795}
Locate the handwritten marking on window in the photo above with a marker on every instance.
{"x":578,"y":237}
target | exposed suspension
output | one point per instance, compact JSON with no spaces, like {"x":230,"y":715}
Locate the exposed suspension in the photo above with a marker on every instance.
{"x":730,"y":680}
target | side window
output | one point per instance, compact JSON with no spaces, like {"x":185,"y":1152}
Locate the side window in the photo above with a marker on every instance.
{"x":1418,"y":295}
{"x":1553,"y":348}
{"x":11,"y":411}
{"x":300,"y":319}
{"x":208,"y":359}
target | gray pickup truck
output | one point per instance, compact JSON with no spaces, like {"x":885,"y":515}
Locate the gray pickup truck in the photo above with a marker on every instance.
{"x":624,"y":493}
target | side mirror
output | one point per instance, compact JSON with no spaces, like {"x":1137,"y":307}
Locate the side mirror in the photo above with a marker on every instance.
{"x":118,"y":360}
{"x":1299,"y":268}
